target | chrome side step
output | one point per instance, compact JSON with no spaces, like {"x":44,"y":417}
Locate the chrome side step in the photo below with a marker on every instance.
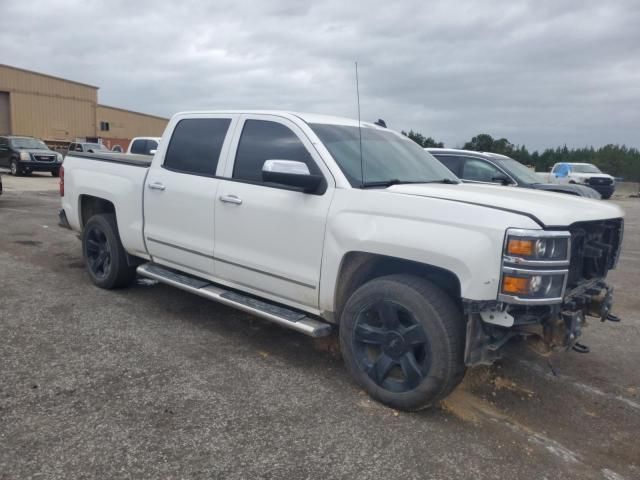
{"x":275,"y":313}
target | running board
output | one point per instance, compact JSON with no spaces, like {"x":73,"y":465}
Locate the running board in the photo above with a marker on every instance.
{"x":275,"y":313}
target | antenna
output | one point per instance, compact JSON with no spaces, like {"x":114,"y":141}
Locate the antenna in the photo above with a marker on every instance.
{"x":359,"y":128}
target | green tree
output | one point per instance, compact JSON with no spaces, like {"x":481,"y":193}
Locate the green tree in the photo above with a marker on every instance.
{"x":424,"y":142}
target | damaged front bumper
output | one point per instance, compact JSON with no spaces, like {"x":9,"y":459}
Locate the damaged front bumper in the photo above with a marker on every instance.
{"x":491,"y":325}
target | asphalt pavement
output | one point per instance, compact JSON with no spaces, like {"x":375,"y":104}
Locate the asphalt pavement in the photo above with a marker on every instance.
{"x":152,"y":382}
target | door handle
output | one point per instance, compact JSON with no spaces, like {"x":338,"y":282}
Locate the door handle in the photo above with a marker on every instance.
{"x":231,"y":199}
{"x":156,"y":186}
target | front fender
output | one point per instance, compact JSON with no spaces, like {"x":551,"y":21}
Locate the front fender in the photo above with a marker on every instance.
{"x":465,"y":239}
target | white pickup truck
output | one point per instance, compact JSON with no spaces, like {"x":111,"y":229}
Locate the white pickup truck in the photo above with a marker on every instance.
{"x":581,"y":174}
{"x":317,"y":222}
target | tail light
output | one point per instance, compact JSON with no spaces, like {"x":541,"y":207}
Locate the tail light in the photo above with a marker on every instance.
{"x":62,"y":181}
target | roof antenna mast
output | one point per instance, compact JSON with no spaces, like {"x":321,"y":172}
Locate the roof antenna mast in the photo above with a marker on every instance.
{"x":359,"y":128}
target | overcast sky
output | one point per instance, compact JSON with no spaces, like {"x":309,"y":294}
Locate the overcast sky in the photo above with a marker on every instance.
{"x":540,"y":73}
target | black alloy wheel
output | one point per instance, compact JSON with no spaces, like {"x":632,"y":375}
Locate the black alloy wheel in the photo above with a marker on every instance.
{"x":391,"y":346}
{"x":98,"y":251}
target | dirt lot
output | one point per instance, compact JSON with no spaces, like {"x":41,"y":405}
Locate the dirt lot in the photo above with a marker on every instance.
{"x":151,"y":382}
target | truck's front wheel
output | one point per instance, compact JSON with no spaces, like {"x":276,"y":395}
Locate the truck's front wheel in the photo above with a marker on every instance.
{"x":402,"y":339}
{"x":103,"y":253}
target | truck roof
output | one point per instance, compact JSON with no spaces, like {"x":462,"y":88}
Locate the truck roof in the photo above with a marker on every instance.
{"x":306,"y":117}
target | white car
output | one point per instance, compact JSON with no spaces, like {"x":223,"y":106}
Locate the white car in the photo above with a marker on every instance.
{"x":143,"y":145}
{"x":319,"y":223}
{"x":583,"y":174}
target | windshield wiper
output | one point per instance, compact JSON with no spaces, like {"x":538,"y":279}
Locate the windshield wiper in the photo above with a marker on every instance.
{"x":448,"y":181}
{"x":395,"y":181}
{"x":386,"y":183}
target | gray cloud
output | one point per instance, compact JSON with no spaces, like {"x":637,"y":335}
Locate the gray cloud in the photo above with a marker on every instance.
{"x":541,"y":73}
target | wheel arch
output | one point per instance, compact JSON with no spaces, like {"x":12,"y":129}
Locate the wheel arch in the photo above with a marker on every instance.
{"x":90,"y":205}
{"x":357,"y":268}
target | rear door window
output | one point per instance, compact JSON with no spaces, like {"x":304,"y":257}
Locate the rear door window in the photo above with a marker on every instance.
{"x":452,"y":162}
{"x":195,"y":145}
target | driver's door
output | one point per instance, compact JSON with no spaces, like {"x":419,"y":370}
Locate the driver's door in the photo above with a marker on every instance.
{"x":269,"y":238}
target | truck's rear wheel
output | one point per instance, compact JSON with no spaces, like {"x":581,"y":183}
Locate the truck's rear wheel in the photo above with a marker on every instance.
{"x":103,"y":253}
{"x":402,"y":339}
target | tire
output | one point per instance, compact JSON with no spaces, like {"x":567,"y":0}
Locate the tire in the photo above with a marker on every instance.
{"x":415,"y":357}
{"x":103,"y":253}
{"x":606,"y":197}
{"x":55,"y":172}
{"x":16,"y":170}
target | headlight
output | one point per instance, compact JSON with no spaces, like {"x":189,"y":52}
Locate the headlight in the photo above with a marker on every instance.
{"x":534,"y":266}
{"x":25,"y":156}
{"x":58,"y":157}
{"x":533,"y":284}
{"x":537,"y":247}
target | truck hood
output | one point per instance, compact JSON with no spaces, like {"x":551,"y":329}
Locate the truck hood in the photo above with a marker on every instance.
{"x":546,"y":208}
{"x":590,"y":175}
{"x":570,"y":188}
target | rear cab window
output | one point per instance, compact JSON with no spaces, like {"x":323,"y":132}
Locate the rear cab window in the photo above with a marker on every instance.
{"x":139,"y":146}
{"x":195,"y":146}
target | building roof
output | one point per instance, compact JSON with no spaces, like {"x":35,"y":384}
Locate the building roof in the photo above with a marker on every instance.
{"x":31,"y":72}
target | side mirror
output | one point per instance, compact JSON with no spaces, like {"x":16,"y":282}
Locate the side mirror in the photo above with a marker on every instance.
{"x":501,"y":178}
{"x":152,"y":152}
{"x":291,"y":173}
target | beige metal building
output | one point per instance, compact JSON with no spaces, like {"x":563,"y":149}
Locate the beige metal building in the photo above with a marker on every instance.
{"x":59,"y":111}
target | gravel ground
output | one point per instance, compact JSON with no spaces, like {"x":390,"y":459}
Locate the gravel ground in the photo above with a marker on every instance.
{"x":152,"y":382}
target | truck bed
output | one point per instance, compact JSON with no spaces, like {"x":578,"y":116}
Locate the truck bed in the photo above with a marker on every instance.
{"x":125,"y":158}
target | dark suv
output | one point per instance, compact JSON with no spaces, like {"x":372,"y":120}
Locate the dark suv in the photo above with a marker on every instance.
{"x":493,"y":168}
{"x":24,"y":155}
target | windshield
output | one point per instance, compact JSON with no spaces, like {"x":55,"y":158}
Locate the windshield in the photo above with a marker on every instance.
{"x":95,"y":146}
{"x":386,"y":156}
{"x":521,"y":173}
{"x":585,"y":168}
{"x":28,"y":143}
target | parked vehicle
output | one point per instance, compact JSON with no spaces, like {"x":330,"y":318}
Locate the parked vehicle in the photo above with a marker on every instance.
{"x":313,"y":223}
{"x":87,"y":147}
{"x":144,"y":145}
{"x":582,"y":174}
{"x":493,"y":168}
{"x":24,"y":155}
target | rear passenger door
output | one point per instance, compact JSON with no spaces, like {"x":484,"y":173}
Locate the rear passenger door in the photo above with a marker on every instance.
{"x":269,"y":238}
{"x":180,"y":194}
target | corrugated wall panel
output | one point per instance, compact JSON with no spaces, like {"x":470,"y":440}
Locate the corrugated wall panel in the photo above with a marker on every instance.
{"x":126,"y":124}
{"x":22,"y":81}
{"x":5,"y":114}
{"x":52,"y":118}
